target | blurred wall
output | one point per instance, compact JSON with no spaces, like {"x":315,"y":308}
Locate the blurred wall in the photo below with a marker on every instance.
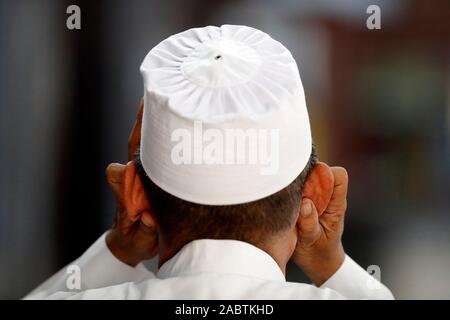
{"x":35,"y":82}
{"x":378,"y":100}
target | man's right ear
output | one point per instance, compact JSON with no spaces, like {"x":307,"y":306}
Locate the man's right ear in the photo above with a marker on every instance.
{"x":135,"y":198}
{"x":319,"y":186}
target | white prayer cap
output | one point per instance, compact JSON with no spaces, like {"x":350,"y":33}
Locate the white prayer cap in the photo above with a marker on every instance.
{"x":207,"y":87}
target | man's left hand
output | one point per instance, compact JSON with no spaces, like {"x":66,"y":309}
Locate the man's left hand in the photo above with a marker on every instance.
{"x":131,"y":239}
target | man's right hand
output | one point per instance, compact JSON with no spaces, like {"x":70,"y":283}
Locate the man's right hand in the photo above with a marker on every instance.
{"x":319,"y":252}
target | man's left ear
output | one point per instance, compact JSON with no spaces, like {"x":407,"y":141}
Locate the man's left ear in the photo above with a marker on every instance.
{"x":319,"y":186}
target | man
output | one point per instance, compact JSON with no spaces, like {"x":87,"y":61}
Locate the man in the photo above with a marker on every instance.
{"x":240,"y":193}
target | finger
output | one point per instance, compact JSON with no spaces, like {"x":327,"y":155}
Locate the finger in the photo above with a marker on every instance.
{"x":338,"y":202}
{"x":148,"y":222}
{"x":114,"y":172}
{"x":134,"y":139}
{"x":309,"y":227}
{"x":114,"y":176}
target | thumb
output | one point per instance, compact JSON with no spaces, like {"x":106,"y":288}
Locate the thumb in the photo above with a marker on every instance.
{"x":308,"y":223}
{"x":114,"y":175}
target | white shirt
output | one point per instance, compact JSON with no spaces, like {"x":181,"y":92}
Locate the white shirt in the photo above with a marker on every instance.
{"x":203,"y":269}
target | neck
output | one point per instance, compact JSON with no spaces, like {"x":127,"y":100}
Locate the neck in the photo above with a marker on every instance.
{"x":280,"y":252}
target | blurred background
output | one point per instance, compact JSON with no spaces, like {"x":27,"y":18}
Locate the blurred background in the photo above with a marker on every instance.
{"x":379,"y":102}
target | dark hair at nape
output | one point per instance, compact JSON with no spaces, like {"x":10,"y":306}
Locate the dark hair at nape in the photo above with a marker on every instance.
{"x":254,"y":222}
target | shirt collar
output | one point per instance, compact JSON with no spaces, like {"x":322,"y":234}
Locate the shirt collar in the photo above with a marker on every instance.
{"x":222,"y":256}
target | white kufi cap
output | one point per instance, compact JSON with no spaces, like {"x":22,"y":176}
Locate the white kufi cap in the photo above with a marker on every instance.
{"x":225,"y":120}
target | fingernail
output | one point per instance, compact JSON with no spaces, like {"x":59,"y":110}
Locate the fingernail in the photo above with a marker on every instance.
{"x":306,"y":208}
{"x":147,"y":221}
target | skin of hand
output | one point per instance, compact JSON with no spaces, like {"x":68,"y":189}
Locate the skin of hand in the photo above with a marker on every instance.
{"x":319,"y":252}
{"x":133,"y":237}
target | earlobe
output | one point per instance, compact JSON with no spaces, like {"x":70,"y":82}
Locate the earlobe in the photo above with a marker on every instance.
{"x":319,"y":186}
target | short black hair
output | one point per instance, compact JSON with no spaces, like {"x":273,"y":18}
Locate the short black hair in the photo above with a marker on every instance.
{"x":254,"y":222}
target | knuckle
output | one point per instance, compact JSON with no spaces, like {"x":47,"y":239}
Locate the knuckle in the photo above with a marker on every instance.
{"x":108,"y":169}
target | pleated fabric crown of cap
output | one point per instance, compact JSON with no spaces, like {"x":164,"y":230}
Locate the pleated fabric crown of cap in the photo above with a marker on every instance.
{"x":216,"y":85}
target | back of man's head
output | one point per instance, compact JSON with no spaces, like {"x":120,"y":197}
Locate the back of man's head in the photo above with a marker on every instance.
{"x":254,"y":222}
{"x":226,"y":145}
